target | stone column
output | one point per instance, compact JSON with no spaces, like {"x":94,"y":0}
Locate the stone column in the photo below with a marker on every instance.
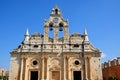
{"x":62,"y":66}
{"x":40,"y":68}
{"x":90,"y":68}
{"x":43,"y":68}
{"x":26,"y":70}
{"x":65,"y":68}
{"x":71,"y":74}
{"x":69,"y":69}
{"x":21,"y":72}
{"x":66,"y":34}
{"x":48,"y":72}
{"x":86,"y":69}
{"x":45,"y":34}
{"x":55,"y":34}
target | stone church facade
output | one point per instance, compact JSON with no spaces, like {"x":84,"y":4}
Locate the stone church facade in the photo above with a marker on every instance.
{"x":71,"y":57}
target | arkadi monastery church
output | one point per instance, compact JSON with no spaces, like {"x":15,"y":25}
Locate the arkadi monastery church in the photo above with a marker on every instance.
{"x":41,"y":57}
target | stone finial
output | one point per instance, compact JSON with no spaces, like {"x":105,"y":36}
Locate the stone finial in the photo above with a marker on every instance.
{"x":26,"y":35}
{"x":56,"y":6}
{"x":27,"y":32}
{"x":85,"y":35}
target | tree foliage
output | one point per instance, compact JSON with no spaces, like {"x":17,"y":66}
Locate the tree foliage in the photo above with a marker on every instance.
{"x":112,"y":78}
{"x":3,"y":77}
{"x":0,"y":77}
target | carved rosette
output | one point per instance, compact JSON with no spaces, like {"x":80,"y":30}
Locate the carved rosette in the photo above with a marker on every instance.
{"x":75,"y":63}
{"x":54,"y":64}
{"x":35,"y":63}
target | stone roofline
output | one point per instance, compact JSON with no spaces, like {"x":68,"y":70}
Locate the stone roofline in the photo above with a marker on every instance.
{"x":74,"y":42}
{"x":114,"y":62}
{"x":70,"y":35}
{"x":70,"y":42}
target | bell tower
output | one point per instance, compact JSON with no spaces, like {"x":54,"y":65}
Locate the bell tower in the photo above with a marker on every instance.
{"x":55,"y":23}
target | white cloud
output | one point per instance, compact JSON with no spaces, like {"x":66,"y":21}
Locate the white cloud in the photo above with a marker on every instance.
{"x":103,"y":55}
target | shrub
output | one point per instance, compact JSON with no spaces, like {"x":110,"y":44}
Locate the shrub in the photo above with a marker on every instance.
{"x":112,"y":78}
{"x":0,"y":77}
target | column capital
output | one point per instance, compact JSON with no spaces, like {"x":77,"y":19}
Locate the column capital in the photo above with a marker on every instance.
{"x":22,"y":57}
{"x":67,"y":57}
{"x":87,"y":57}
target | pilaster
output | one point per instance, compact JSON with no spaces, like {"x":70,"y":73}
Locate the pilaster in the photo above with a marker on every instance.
{"x":21,"y":72}
{"x":65,"y":68}
{"x":26,"y":70}
{"x":90,"y":68}
{"x":45,"y":34}
{"x":66,"y":34}
{"x":43,"y":68}
{"x":85,"y":69}
{"x":55,"y":34}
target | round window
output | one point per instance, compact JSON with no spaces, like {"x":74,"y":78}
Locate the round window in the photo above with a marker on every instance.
{"x":77,"y":62}
{"x":55,"y":20}
{"x":35,"y":62}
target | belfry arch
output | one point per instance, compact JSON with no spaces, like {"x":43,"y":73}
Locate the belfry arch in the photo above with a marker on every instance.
{"x":51,"y":30}
{"x":57,"y":24}
{"x":61,"y":30}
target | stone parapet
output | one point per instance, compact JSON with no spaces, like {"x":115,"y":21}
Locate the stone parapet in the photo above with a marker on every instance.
{"x":114,"y":62}
{"x":111,"y":69}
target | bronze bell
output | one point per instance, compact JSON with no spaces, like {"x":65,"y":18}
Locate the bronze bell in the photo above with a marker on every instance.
{"x":51,"y":28}
{"x":60,"y":29}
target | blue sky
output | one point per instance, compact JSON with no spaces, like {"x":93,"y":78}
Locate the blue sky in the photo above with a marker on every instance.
{"x":100,"y":17}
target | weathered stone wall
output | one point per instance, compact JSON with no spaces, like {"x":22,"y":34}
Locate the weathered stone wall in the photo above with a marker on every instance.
{"x":95,"y":68}
{"x":111,"y":69}
{"x":14,"y":67}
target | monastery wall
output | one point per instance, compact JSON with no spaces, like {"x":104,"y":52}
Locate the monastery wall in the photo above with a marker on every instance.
{"x":111,"y":69}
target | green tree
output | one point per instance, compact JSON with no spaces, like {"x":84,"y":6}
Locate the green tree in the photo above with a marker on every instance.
{"x":0,"y":77}
{"x":5,"y":78}
{"x":112,"y":78}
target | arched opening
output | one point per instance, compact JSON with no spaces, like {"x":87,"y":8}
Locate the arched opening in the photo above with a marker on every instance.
{"x":34,"y":75}
{"x":61,"y":30}
{"x":56,"y":11}
{"x":51,"y":31}
{"x":51,"y":26}
{"x":61,"y":27}
{"x":35,"y":46}
{"x":77,"y":75}
{"x":76,"y":46}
